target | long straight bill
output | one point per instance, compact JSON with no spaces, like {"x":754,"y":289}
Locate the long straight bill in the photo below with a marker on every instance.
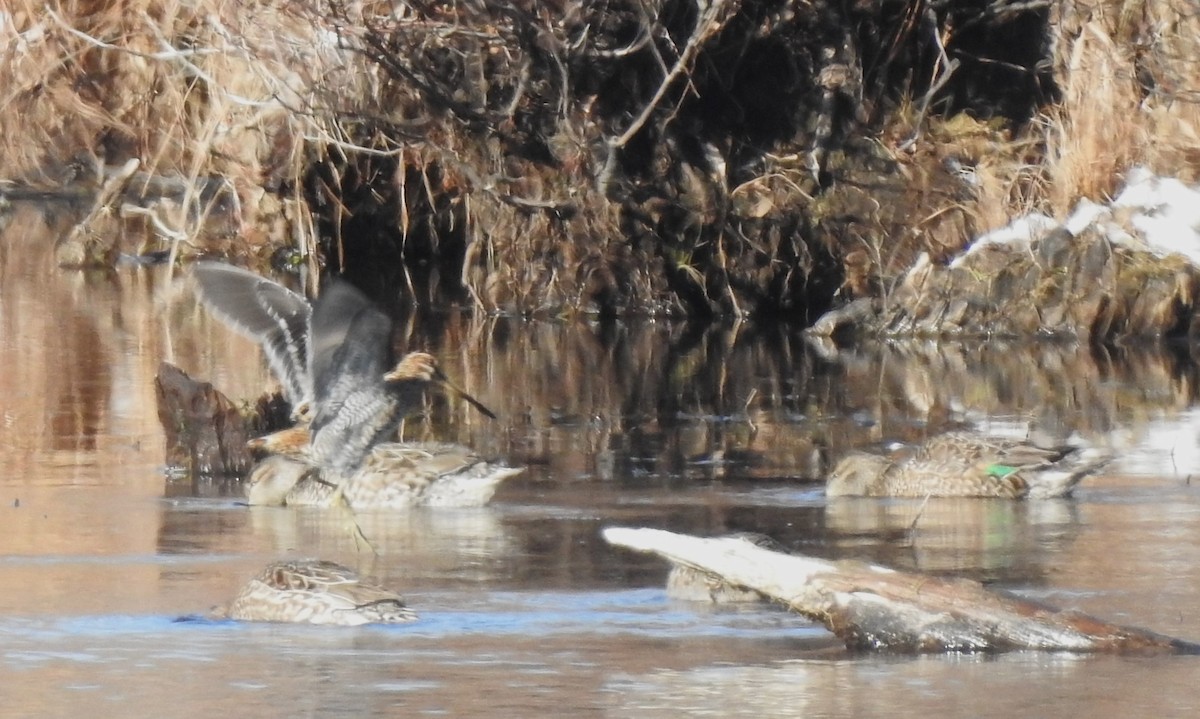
{"x":463,"y":393}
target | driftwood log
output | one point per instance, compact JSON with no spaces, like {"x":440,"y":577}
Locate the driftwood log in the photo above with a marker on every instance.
{"x":870,"y":607}
{"x":205,"y":432}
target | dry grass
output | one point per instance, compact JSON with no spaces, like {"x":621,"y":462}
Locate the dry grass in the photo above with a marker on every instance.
{"x":485,"y":132}
{"x":1130,"y":75}
{"x":441,"y":125}
{"x":193,"y":91}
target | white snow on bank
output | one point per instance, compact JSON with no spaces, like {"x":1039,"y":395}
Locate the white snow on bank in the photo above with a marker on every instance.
{"x":1164,"y":211}
{"x":1022,"y":232}
{"x":1160,"y":214}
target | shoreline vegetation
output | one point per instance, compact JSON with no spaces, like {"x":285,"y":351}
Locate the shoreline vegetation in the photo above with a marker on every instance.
{"x":644,"y":157}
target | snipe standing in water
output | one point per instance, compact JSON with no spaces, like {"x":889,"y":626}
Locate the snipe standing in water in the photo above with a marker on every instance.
{"x":315,"y":592}
{"x":334,"y":359}
{"x":962,"y":464}
{"x":361,"y":392}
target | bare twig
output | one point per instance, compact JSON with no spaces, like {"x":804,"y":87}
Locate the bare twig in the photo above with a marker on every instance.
{"x":709,"y":23}
{"x":943,"y":69}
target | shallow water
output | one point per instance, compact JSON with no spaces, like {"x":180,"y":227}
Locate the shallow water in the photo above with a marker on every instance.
{"x":524,"y":610}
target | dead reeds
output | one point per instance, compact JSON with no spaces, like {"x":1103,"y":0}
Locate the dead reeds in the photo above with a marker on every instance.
{"x":671,"y":156}
{"x":1130,"y":76}
{"x":183,"y":88}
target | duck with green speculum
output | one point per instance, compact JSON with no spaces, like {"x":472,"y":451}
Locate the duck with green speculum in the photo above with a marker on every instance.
{"x":963,"y":464}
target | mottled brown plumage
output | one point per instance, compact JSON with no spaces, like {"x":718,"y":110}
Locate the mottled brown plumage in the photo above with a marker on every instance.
{"x":967,"y":465}
{"x":292,"y":443}
{"x":393,"y":476}
{"x":315,"y":592}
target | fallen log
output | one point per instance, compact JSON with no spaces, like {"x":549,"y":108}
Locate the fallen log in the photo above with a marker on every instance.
{"x":694,"y":585}
{"x":870,"y":607}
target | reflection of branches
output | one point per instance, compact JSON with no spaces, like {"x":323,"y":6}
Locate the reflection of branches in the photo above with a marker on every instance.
{"x":1055,"y":386}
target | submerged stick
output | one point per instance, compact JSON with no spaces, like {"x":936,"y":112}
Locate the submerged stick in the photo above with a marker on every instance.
{"x":872,"y":607}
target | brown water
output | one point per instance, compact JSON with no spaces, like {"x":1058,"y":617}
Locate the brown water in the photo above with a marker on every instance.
{"x":524,"y":610}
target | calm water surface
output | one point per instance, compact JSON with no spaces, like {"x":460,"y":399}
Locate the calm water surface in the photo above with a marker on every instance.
{"x":524,"y":611}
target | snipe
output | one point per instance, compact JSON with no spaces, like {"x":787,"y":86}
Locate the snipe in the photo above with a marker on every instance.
{"x":333,"y":358}
{"x":315,"y":592}
{"x":361,"y":392}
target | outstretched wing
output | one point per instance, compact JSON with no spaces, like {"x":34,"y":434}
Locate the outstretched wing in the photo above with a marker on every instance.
{"x":266,"y":312}
{"x":351,"y":347}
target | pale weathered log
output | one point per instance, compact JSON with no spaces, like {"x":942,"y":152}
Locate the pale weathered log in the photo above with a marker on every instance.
{"x":873,"y":607}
